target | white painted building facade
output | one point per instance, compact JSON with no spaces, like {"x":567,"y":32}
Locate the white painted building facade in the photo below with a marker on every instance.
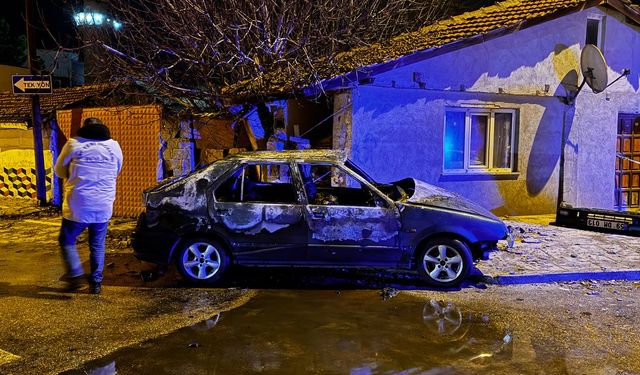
{"x":505,"y":99}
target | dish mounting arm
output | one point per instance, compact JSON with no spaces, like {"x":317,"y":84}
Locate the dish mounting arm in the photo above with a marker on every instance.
{"x":569,"y":99}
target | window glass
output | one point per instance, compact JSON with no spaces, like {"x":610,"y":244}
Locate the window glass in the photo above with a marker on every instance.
{"x":265,"y":182}
{"x":454,"y":140}
{"x":502,"y":130}
{"x":478,"y":140}
{"x":625,"y":126}
{"x":329,"y":185}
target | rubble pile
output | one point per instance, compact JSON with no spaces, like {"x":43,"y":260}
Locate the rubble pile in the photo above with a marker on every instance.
{"x":544,"y":249}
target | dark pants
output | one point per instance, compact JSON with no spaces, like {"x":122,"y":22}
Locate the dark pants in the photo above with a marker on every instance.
{"x":69,"y":232}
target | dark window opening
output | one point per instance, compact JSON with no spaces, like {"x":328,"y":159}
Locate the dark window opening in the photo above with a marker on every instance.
{"x":259,"y":183}
{"x":328,"y":185}
{"x":593,"y":30}
{"x":312,"y":120}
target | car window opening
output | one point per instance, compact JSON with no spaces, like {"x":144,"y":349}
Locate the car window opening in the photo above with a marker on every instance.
{"x":329,"y":185}
{"x":354,"y":167}
{"x":259,"y":183}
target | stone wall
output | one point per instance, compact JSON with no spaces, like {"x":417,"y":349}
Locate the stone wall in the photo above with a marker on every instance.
{"x":186,"y":143}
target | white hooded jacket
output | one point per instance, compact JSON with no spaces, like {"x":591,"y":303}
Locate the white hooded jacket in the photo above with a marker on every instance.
{"x":90,"y":168}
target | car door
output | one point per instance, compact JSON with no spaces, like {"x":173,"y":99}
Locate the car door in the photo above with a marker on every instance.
{"x":259,"y":207}
{"x":349,"y":221}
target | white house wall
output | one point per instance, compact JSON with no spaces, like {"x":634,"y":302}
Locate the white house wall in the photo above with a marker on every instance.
{"x":597,"y":114}
{"x":398,"y":126}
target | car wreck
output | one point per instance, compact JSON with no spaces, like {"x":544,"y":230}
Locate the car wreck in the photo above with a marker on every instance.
{"x":312,"y":208}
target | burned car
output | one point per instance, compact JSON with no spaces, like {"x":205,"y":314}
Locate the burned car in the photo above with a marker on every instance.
{"x":311,"y":208}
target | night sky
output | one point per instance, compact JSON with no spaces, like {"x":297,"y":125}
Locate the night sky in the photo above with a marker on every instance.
{"x":57,"y":14}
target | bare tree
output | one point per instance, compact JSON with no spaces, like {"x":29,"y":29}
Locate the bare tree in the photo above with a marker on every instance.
{"x":198,"y":49}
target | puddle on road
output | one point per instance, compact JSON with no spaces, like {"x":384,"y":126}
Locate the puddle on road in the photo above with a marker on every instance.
{"x":353,"y":332}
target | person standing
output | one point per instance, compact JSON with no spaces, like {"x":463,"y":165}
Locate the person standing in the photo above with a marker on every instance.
{"x":90,"y":164}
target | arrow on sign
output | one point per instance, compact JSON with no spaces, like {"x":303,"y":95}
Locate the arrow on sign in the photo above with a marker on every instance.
{"x":31,"y":85}
{"x":20,"y":84}
{"x":23,"y":85}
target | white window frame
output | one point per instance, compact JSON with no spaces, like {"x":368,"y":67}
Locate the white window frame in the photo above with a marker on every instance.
{"x":484,"y":169}
{"x":601,"y":19}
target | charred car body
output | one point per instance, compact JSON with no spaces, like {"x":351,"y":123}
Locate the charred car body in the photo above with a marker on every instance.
{"x":310,"y":208}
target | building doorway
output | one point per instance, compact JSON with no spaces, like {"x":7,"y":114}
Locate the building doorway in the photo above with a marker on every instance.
{"x":627,"y":193}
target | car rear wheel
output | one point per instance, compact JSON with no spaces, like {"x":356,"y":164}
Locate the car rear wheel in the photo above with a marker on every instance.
{"x":202,"y":261}
{"x":444,"y":262}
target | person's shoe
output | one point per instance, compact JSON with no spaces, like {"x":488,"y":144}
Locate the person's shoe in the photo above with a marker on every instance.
{"x":73,"y":283}
{"x":95,"y":288}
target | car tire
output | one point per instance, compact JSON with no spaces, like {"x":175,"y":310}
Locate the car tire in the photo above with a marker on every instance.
{"x":202,"y":261}
{"x":444,"y":262}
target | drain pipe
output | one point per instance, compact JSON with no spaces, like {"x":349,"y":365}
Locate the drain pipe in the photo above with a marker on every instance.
{"x":561,"y":167}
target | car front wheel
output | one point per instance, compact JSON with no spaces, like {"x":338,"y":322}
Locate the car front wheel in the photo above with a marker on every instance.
{"x":202,"y":261}
{"x":444,"y":262}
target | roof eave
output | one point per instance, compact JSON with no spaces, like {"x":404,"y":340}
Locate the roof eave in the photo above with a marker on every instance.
{"x":631,"y":13}
{"x":351,"y":79}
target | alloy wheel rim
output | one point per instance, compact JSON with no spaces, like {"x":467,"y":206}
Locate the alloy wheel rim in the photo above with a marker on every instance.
{"x":442,"y":263}
{"x":201,"y":260}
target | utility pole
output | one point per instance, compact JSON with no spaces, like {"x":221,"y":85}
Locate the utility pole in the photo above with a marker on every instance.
{"x":36,"y":116}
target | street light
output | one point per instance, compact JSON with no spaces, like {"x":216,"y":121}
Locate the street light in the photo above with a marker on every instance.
{"x":95,"y":19}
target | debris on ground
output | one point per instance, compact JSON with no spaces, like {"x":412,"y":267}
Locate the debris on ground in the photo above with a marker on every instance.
{"x":540,"y":248}
{"x":388,"y":293}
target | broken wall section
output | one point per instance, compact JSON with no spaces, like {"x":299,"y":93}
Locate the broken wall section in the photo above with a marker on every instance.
{"x":186,"y":144}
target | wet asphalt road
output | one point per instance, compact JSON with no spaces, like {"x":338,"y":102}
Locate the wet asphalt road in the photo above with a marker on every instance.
{"x":316,"y":321}
{"x":358,"y":332}
{"x":302,"y":332}
{"x":44,"y":330}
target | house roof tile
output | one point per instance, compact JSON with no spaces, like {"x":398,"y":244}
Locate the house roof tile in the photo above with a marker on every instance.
{"x":17,"y":108}
{"x":502,"y":17}
{"x":505,"y":16}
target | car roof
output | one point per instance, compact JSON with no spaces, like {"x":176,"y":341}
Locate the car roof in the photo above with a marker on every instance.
{"x":304,"y":155}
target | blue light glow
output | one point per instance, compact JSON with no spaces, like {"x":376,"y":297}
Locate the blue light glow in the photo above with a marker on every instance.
{"x":98,"y":18}
{"x":95,"y":19}
{"x":454,"y":140}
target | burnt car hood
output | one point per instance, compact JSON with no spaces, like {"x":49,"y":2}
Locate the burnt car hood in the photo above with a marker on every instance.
{"x":424,"y":194}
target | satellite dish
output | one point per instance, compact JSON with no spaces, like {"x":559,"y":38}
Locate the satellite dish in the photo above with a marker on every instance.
{"x":594,"y":68}
{"x":594,"y":72}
